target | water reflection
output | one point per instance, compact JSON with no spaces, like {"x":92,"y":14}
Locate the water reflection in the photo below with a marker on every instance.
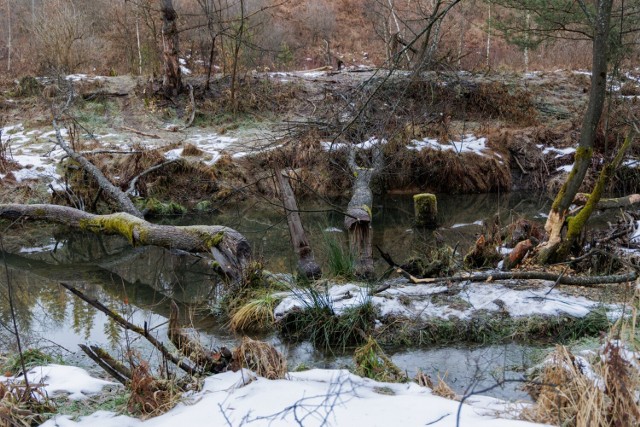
{"x":140,"y":282}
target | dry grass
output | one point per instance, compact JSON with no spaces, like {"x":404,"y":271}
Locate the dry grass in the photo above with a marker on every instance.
{"x":191,"y":150}
{"x":150,"y":396}
{"x":572,"y":393}
{"x":21,"y":407}
{"x":261,"y":358}
{"x":441,"y":388}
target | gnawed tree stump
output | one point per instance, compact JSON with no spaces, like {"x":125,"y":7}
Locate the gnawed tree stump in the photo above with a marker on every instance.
{"x":307,"y":264}
{"x":357,"y":221}
{"x":229,"y":249}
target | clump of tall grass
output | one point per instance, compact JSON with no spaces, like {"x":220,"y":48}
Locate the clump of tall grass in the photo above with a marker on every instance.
{"x":340,"y":260}
{"x":256,"y":314}
{"x":318,"y":322}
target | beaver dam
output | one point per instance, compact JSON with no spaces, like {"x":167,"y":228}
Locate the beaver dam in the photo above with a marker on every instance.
{"x":172,"y":242}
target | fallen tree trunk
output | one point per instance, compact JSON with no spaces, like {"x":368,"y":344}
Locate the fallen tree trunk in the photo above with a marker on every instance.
{"x":615,"y":203}
{"x":208,"y":361}
{"x":114,"y":368}
{"x":118,"y":196}
{"x":358,"y":218}
{"x":525,"y":275}
{"x":307,"y":264}
{"x":230,"y":250}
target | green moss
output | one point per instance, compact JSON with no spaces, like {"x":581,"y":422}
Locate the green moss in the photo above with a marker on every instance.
{"x":32,"y":357}
{"x":155,"y":207}
{"x":204,"y":206}
{"x":119,"y":223}
{"x":582,"y":154}
{"x":215,"y":240}
{"x":426,"y":209}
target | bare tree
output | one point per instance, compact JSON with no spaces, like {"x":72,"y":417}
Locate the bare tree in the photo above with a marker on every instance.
{"x":172,"y":78}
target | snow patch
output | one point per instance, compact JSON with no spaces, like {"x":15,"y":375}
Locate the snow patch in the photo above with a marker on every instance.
{"x":60,"y":379}
{"x":469,"y":144}
{"x":318,"y":397}
{"x":364,"y":145}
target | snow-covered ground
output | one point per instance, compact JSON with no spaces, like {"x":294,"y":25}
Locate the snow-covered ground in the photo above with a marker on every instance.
{"x":477,"y":296}
{"x":37,"y":156}
{"x":311,"y":398}
{"x":468,"y":144}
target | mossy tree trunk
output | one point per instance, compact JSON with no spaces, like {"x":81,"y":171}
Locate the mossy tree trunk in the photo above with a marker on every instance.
{"x":576,"y":223}
{"x":425,"y":207}
{"x":358,"y":218}
{"x":229,"y":250}
{"x":555,"y":249}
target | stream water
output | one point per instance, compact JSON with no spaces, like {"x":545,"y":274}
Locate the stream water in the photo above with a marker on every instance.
{"x":141,"y":282}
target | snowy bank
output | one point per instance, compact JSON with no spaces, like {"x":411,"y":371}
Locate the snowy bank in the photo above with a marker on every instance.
{"x":312,"y":398}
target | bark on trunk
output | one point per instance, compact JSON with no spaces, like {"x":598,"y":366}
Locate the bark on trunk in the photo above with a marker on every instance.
{"x":550,"y":250}
{"x":114,"y":193}
{"x":358,"y":218}
{"x":575,"y":224}
{"x":615,"y":203}
{"x":172,"y":80}
{"x":307,"y":264}
{"x":230,"y":250}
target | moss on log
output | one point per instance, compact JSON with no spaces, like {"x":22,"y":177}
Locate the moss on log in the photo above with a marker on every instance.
{"x":229,"y":248}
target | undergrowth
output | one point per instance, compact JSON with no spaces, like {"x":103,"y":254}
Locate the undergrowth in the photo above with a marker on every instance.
{"x":319,"y":323}
{"x":489,"y":328}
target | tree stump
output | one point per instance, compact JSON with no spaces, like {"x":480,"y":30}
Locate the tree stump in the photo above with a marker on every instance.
{"x":425,"y":206}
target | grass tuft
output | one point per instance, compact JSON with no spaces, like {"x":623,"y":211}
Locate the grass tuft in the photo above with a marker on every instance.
{"x":372,"y":362}
{"x":260,"y":357}
{"x":319,"y":323}
{"x":340,"y":260}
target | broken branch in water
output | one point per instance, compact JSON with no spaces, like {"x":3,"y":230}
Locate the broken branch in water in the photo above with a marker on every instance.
{"x":187,"y":367}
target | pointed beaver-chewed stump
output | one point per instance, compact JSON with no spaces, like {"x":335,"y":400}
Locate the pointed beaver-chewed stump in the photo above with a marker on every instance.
{"x":517,"y":255}
{"x":357,"y":221}
{"x":425,"y":207}
{"x":358,"y":224}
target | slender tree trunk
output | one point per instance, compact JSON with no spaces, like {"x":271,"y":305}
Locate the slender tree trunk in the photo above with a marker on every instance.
{"x":307,"y":264}
{"x":236,"y":57}
{"x":172,"y":80}
{"x":210,"y":67}
{"x":552,"y":250}
{"x":9,"y":35}
{"x":488,"y":50}
{"x":138,"y":42}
